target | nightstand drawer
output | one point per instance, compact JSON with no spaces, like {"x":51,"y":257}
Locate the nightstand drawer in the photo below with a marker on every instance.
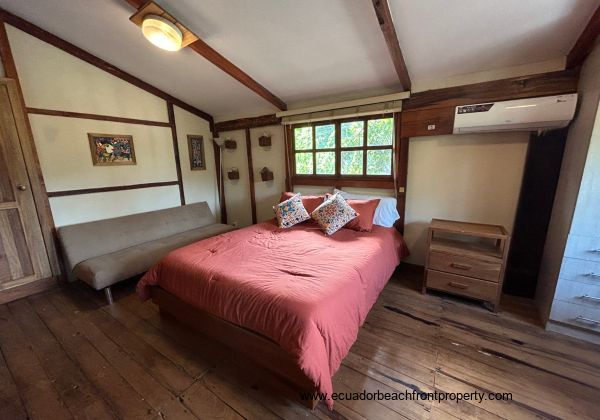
{"x":465,"y":266}
{"x":461,"y":285}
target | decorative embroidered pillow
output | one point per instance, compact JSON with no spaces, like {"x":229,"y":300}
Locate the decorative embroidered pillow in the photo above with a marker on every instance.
{"x":333,"y":214}
{"x":290,"y":212}
{"x":310,"y":202}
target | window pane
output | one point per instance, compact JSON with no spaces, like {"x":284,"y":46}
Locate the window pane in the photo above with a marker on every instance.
{"x":379,"y":162}
{"x":303,"y":138}
{"x":304,"y":163}
{"x":325,"y":136}
{"x":352,"y":133}
{"x":352,"y":163}
{"x":326,"y":163}
{"x":379,"y":132}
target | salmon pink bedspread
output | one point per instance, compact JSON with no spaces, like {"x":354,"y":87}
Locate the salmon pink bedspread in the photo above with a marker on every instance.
{"x":308,"y":292}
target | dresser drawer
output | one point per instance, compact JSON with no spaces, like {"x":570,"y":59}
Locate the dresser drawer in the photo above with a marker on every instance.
{"x":583,"y":247}
{"x":461,"y":285}
{"x":579,"y":315}
{"x":580,"y":270}
{"x":465,"y":266}
{"x":585,"y":294}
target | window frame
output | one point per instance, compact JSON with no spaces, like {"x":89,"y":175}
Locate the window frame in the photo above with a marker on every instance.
{"x":314,"y":178}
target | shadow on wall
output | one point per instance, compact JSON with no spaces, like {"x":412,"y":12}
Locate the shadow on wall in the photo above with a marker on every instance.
{"x":417,"y":232}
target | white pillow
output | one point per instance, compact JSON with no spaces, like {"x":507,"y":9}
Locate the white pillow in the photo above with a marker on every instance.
{"x":386,"y":213}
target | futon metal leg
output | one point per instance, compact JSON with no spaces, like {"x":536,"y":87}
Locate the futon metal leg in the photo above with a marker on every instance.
{"x":108,"y":294}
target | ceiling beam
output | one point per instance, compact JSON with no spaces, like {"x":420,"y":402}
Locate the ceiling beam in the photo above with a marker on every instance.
{"x":227,"y":66}
{"x":242,"y":123}
{"x":585,"y":42}
{"x":384,"y":17}
{"x":543,"y":84}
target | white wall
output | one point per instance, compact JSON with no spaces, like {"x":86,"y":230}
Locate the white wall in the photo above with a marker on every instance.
{"x":273,"y":157}
{"x":53,"y":79}
{"x":198,"y":185}
{"x":471,"y":177}
{"x":237,"y":192}
{"x":567,"y":190}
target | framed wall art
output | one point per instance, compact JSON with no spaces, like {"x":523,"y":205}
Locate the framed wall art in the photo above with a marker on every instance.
{"x":196,"y":151}
{"x":111,"y":149}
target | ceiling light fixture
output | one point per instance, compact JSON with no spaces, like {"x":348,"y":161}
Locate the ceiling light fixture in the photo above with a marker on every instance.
{"x":162,"y":33}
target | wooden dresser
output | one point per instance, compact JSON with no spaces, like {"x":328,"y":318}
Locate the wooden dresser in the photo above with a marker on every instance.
{"x":466,"y":259}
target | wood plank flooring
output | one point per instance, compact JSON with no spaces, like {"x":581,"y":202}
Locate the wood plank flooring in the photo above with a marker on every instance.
{"x":66,"y":354}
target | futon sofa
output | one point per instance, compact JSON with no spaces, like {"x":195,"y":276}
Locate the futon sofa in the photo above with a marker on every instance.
{"x":104,"y":252}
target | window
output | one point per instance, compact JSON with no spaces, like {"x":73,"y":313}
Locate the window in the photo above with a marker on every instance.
{"x":349,"y":148}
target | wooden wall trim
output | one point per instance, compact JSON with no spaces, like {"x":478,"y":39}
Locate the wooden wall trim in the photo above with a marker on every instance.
{"x":243,"y":123}
{"x":384,"y":17}
{"x":66,"y":46}
{"x":220,"y":186}
{"x":110,"y":189}
{"x":251,"y":175}
{"x":34,"y":170}
{"x":70,"y":114}
{"x":544,"y":84}
{"x":386,"y":184}
{"x":402,"y":146}
{"x":171,"y":114}
{"x":212,"y":55}
{"x":585,"y":42}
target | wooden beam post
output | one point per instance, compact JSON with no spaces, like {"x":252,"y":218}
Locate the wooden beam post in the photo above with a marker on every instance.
{"x":171,"y":114}
{"x":384,"y":17}
{"x":585,"y":42}
{"x":251,"y":175}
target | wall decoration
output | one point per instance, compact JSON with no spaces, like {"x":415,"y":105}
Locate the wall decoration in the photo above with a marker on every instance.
{"x":233,"y":174}
{"x":266,"y":174}
{"x":111,"y":149}
{"x":264,"y":140}
{"x":230,"y":144}
{"x":196,"y":151}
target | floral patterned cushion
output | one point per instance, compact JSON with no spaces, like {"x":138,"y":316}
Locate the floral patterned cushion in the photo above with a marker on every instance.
{"x":333,"y":214}
{"x":290,"y":212}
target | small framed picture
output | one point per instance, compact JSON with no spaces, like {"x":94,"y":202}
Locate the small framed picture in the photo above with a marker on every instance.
{"x":196,"y":151}
{"x":111,"y":149}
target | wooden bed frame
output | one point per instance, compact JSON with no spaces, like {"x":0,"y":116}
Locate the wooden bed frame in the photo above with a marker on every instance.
{"x":255,"y":347}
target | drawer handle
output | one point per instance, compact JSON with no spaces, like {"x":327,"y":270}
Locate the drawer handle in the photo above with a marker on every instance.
{"x":592,"y":275}
{"x":458,"y":285}
{"x":595,"y":298}
{"x":461,"y":266}
{"x":588,"y":320}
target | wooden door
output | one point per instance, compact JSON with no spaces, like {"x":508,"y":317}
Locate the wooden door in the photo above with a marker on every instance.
{"x":23,"y":257}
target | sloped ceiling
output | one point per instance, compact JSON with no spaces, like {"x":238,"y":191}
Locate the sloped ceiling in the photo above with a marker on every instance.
{"x":314,"y":51}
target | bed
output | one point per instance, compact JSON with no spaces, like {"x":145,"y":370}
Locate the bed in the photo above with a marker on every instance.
{"x":290,"y":299}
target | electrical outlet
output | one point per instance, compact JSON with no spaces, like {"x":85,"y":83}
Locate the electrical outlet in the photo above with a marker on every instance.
{"x":234,"y":223}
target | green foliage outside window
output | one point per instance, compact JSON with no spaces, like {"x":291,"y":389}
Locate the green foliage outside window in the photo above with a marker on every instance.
{"x":352,"y":133}
{"x":304,"y":163}
{"x":325,"y":136}
{"x":303,"y":138}
{"x":380,"y":132}
{"x":312,"y":158}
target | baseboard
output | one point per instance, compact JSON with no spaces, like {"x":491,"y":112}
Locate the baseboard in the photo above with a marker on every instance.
{"x":19,"y":292}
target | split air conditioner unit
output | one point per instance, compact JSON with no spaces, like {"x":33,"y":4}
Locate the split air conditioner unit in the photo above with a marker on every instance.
{"x":533,"y":114}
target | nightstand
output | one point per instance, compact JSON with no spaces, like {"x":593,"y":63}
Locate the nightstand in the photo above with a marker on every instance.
{"x":466,"y":259}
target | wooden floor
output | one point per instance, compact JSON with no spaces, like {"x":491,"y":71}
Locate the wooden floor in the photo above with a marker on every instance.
{"x":67,"y":354}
